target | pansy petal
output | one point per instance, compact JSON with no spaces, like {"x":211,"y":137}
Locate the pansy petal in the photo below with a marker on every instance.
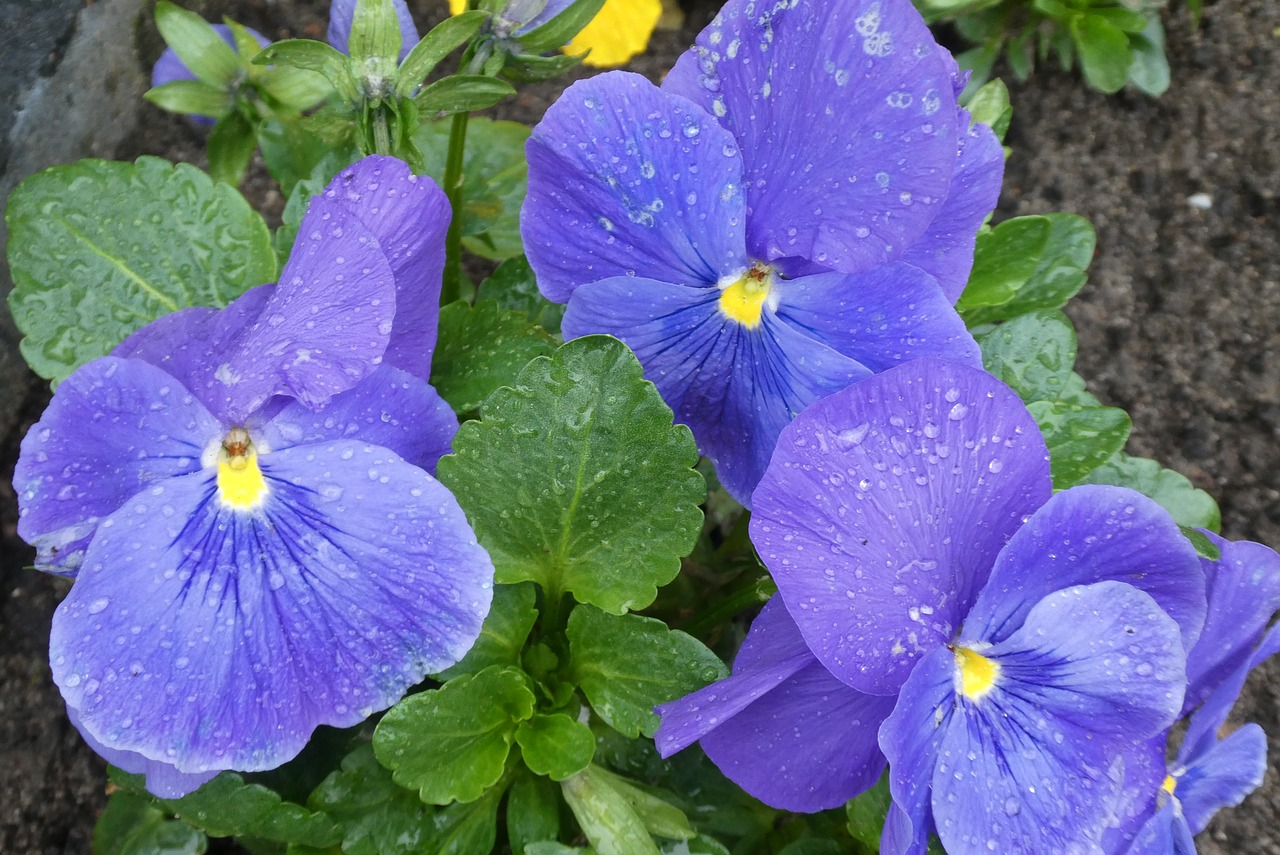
{"x":627,"y":180}
{"x":1203,"y":728}
{"x":911,"y":739}
{"x":343,"y":12}
{"x":114,"y":427}
{"x":849,"y":139}
{"x":772,"y":652}
{"x":163,"y":780}
{"x":409,"y":216}
{"x":1166,"y":833}
{"x":215,"y":637}
{"x":885,"y":506}
{"x":1029,"y":764}
{"x":945,"y":250}
{"x":881,"y":318}
{"x":1223,"y":776}
{"x":390,"y":408}
{"x":735,"y":387}
{"x":1139,"y":770}
{"x":324,"y":327}
{"x":186,"y":342}
{"x":1090,"y":534}
{"x":1243,"y":588}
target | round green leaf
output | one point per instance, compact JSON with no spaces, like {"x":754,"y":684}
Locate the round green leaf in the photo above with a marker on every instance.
{"x":98,"y":249}
{"x":576,"y":478}
{"x":556,"y":745}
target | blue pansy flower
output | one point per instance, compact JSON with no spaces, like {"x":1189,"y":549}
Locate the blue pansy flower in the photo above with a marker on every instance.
{"x":170,"y":68}
{"x":793,"y":211}
{"x":245,"y":500}
{"x":940,"y":609}
{"x":1208,"y":773}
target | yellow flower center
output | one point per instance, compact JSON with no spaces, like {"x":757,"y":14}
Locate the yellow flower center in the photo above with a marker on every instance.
{"x":977,"y":673}
{"x":1170,"y":783}
{"x":745,"y":298}
{"x":240,"y":482}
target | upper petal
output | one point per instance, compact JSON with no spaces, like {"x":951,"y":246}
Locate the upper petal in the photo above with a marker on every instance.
{"x":215,"y":638}
{"x":1222,"y":776}
{"x":845,"y":114}
{"x":1090,"y":534}
{"x":884,"y":508}
{"x":627,"y":180}
{"x":113,"y":428}
{"x":342,"y":13}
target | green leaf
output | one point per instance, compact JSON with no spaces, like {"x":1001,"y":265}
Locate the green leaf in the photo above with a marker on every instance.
{"x":659,"y":816}
{"x":1205,"y":548}
{"x":291,"y":154}
{"x":561,"y":29}
{"x":1003,"y":260}
{"x":228,"y":806}
{"x":315,"y":56}
{"x":197,"y":44}
{"x":495,"y":178}
{"x":304,"y":190}
{"x":606,"y":815}
{"x":452,"y":743}
{"x":990,"y":106}
{"x":550,"y":847}
{"x":462,"y":93}
{"x":511,"y":617}
{"x":1150,"y":69}
{"x":514,"y":286}
{"x":481,"y":348}
{"x":191,"y":97}
{"x":1188,"y":505}
{"x":1104,"y":52}
{"x":469,"y":828}
{"x":699,"y":845}
{"x":97,"y":249}
{"x":627,"y":665}
{"x":132,"y":825}
{"x":555,"y":745}
{"x":866,"y":814}
{"x":576,"y":478}
{"x":231,"y":145}
{"x":812,"y":846}
{"x":531,"y":68}
{"x":443,"y":40}
{"x":295,"y":89}
{"x":1033,"y":354}
{"x":533,"y":812}
{"x":377,"y":816}
{"x":375,"y":34}
{"x":1058,"y":272}
{"x":1080,"y":439}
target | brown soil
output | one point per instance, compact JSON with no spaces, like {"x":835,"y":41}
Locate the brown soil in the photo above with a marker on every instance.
{"x":1180,"y":325}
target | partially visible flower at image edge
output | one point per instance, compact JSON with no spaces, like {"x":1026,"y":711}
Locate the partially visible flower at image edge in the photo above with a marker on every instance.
{"x":794,"y":210}
{"x":243,"y":497}
{"x":618,"y":32}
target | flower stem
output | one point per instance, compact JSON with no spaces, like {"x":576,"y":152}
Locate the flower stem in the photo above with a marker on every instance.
{"x":756,"y":592}
{"x":453,"y":180}
{"x":381,"y":133}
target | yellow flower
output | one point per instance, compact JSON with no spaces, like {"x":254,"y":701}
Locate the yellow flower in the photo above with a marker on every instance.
{"x":618,"y":32}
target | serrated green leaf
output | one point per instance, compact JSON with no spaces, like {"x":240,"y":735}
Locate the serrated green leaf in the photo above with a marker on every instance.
{"x":1104,"y":52}
{"x":462,"y":93}
{"x":576,"y":478}
{"x":495,"y":177}
{"x":1150,"y":69}
{"x":1080,"y":439}
{"x":555,"y":745}
{"x":514,"y":286}
{"x":132,"y":825}
{"x":865,"y":814}
{"x":197,"y":44}
{"x":377,"y":816}
{"x":533,"y":812}
{"x":191,"y":97}
{"x":1003,"y":260}
{"x":452,"y":743}
{"x":1033,"y":354}
{"x":481,"y":348}
{"x":506,"y":628}
{"x":605,"y":815}
{"x":1173,"y":491}
{"x":441,"y":41}
{"x":627,"y":665}
{"x":97,"y":249}
{"x":231,"y":145}
{"x":561,"y":29}
{"x":990,"y":106}
{"x":228,"y":806}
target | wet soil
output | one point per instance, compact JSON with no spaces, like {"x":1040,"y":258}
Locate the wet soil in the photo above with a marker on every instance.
{"x":1179,"y":324}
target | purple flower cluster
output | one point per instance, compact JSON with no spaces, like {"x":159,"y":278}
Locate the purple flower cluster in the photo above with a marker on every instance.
{"x":792,"y":211}
{"x":243,"y":497}
{"x":1015,"y":657}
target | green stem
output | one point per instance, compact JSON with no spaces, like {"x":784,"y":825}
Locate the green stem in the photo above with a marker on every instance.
{"x":453,"y":179}
{"x":381,"y":133}
{"x":754,"y":593}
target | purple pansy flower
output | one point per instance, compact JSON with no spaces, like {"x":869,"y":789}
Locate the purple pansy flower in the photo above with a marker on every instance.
{"x":1207,"y":773}
{"x":793,"y":211}
{"x":170,"y":68}
{"x":343,"y":12}
{"x":1006,"y":642}
{"x":243,"y":497}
